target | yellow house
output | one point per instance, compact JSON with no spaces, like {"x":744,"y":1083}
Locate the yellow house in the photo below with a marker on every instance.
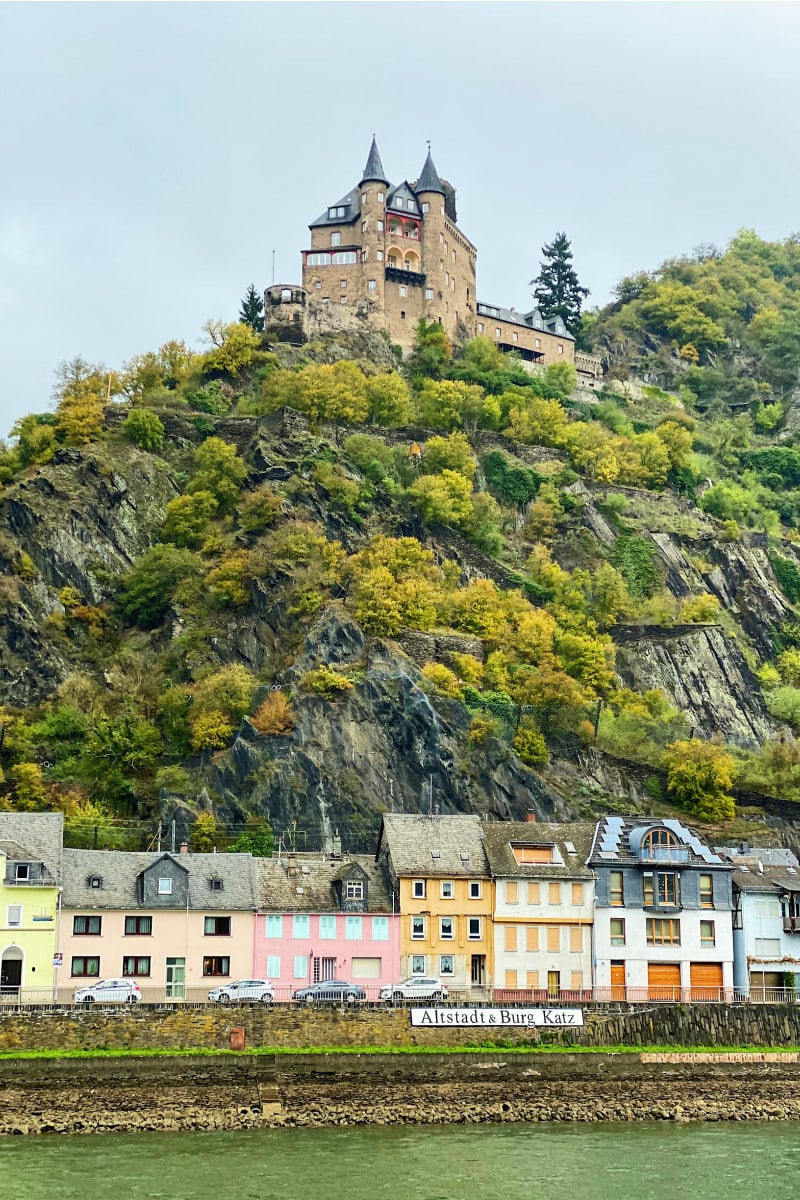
{"x":439,"y":872}
{"x":30,"y":886}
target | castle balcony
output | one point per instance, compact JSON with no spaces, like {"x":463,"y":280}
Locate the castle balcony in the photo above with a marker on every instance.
{"x":398,"y":275}
{"x":411,"y":233}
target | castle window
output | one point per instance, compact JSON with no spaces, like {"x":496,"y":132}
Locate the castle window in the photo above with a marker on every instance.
{"x":326,"y":300}
{"x":379,"y":255}
{"x":317,"y":283}
{"x":497,"y":333}
{"x":537,"y":342}
{"x":318,"y":260}
{"x":403,"y":291}
{"x":363,"y":256}
{"x":336,"y":239}
{"x":514,"y":337}
{"x":441,"y":209}
{"x":343,"y":299}
{"x":454,"y":256}
{"x":286,"y":295}
{"x":342,"y":283}
{"x":363,"y":226}
{"x":447,"y":277}
{"x":480,"y":326}
{"x":441,"y":264}
{"x":380,"y":197}
{"x":336,"y":212}
{"x":441,"y":239}
{"x":363,"y":197}
{"x":343,"y":258}
{"x":380,"y":226}
{"x":560,"y":349}
{"x":428,"y":293}
{"x":410,"y":204}
{"x":425,"y":206}
{"x":402,"y":316}
{"x":372,"y":285}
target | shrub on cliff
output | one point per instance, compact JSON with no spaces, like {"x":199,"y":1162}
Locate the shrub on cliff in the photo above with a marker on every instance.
{"x":699,"y":775}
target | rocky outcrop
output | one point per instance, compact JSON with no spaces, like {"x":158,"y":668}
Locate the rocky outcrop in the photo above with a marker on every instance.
{"x":702,"y":672}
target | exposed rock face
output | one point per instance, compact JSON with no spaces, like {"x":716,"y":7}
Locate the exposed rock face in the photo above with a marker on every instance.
{"x":386,"y":744}
{"x":702,"y":671}
{"x":87,"y":512}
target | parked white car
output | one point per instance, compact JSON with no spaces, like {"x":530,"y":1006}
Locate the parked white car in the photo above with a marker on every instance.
{"x":244,"y":991}
{"x":418,"y":987}
{"x":119,"y":991}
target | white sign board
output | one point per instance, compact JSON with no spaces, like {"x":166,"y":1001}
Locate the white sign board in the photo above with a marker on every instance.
{"x":498,"y":1018}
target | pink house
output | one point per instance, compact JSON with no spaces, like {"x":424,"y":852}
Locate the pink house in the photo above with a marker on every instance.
{"x":322,"y":919}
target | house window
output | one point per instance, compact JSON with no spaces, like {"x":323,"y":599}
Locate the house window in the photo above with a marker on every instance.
{"x":336,"y":239}
{"x":510,"y":942}
{"x":317,"y":283}
{"x":22,"y":872}
{"x":454,"y":256}
{"x":617,"y":892}
{"x":417,"y":964}
{"x":475,"y":889}
{"x":215,"y":964}
{"x":575,"y":939}
{"x":512,"y":892}
{"x":447,"y":278}
{"x":474,"y":930}
{"x":447,"y":889}
{"x":274,"y":926}
{"x":533,"y":892}
{"x":418,"y":889}
{"x":768,"y":948}
{"x":380,"y":929}
{"x":327,"y":927}
{"x":372,"y":285}
{"x":217,"y":927}
{"x":14,"y":916}
{"x":82,"y":966}
{"x":364,"y":256}
{"x":554,"y":893}
{"x":617,"y":930}
{"x":446,"y":928}
{"x":532,"y":939}
{"x":133,"y":965}
{"x":354,"y":889}
{"x":669,"y":892}
{"x":300,"y":966}
{"x":577,"y":895}
{"x":301,"y":925}
{"x":428,"y":293}
{"x":273,"y":966}
{"x":707,"y":937}
{"x":164,"y":885}
{"x":446,"y":964}
{"x":661,"y":932}
{"x":87,"y":925}
{"x":344,"y":258}
{"x":417,"y":929}
{"x":140,"y":925}
{"x":706,"y":891}
{"x":649,"y":889}
{"x":354,"y":929}
{"x":336,"y":211}
{"x":525,"y":855}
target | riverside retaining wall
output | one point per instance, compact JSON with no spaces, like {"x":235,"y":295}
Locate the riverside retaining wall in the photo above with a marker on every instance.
{"x":146,"y":1028}
{"x":257,"y":1091}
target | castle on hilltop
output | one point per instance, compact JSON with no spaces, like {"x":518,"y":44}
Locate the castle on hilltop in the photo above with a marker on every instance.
{"x":385,"y":255}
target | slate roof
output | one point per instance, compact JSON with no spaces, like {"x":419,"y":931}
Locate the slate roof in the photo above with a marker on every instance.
{"x":352,"y":206}
{"x":397,"y":199}
{"x":433,"y":847}
{"x":528,"y":320}
{"x":429,"y":180}
{"x":34,"y":837}
{"x":498,"y":837}
{"x":772,"y":856}
{"x":120,"y":870}
{"x":612,"y":841}
{"x":277,"y":889}
{"x":373,"y":171}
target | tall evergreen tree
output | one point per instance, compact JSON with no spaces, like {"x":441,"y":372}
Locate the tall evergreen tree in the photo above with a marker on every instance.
{"x":252,"y":311}
{"x":557,"y":291}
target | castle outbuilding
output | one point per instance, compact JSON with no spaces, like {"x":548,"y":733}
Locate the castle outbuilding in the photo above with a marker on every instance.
{"x":385,"y":255}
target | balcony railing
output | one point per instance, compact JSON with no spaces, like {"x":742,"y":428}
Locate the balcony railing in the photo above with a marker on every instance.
{"x":400,"y":275}
{"x":791,"y":924}
{"x":664,"y":854}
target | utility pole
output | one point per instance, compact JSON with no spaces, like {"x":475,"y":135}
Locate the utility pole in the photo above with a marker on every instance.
{"x":173,"y":835}
{"x":273,"y":266}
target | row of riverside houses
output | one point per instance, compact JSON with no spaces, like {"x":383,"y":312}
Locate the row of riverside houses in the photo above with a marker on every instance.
{"x":628,"y":909}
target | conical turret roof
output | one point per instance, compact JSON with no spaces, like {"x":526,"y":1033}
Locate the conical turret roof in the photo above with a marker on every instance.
{"x":374,"y":171}
{"x":429,"y":180}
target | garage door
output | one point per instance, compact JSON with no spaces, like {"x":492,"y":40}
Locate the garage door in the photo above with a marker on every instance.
{"x":366,"y":968}
{"x":663,"y":981}
{"x":706,"y":981}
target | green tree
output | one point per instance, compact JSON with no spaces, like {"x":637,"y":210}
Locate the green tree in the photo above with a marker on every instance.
{"x":252,"y":310}
{"x":228,"y":690}
{"x":234,"y":347}
{"x":443,"y":499}
{"x":257,"y":838}
{"x":557,"y":290}
{"x":699,"y":775}
{"x":186,"y":518}
{"x":206,"y":834}
{"x":453,"y":453}
{"x":144,"y":428}
{"x":149,"y":587}
{"x":220,"y":471}
{"x":389,"y":400}
{"x":431,"y":354}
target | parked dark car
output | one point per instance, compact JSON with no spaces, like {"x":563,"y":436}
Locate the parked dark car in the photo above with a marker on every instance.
{"x":330,"y":991}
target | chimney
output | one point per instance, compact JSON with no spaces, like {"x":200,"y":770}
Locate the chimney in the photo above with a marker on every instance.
{"x":184,"y":848}
{"x":530,"y":816}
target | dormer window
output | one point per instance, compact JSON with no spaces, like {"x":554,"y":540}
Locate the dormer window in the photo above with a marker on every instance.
{"x":22,"y":872}
{"x":95,"y":881}
{"x":532,"y":854}
{"x":337,"y":211}
{"x":215,"y":885}
{"x":164,"y":885}
{"x":354,"y":890}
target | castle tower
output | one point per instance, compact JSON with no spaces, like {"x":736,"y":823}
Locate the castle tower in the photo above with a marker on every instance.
{"x":373,"y":190}
{"x":449,"y":258}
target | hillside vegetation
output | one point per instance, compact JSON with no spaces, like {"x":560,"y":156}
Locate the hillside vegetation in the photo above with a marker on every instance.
{"x":239,"y":574}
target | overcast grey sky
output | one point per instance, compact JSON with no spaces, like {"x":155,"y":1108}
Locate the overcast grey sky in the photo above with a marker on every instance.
{"x":153,"y":155}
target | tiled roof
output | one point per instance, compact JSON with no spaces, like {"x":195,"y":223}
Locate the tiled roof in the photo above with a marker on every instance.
{"x":433,"y":846}
{"x":616,"y":839}
{"x":315,"y":879}
{"x":38,"y":837}
{"x":120,"y":871}
{"x":573,"y":841}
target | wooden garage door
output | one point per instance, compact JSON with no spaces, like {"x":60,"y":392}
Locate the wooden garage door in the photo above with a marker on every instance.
{"x":706,"y":981}
{"x":663,"y":981}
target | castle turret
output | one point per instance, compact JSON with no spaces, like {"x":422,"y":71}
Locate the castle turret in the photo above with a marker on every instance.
{"x":448,"y":258}
{"x":373,"y":171}
{"x":372,"y":198}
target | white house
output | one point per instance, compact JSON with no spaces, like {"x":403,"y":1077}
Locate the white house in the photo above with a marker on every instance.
{"x":766,"y":921}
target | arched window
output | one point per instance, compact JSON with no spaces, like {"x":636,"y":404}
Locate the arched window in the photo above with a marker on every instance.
{"x":659,"y":837}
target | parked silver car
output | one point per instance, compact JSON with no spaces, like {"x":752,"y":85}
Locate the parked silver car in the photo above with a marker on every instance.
{"x":418,"y":987}
{"x":244,"y":991}
{"x":115,"y":991}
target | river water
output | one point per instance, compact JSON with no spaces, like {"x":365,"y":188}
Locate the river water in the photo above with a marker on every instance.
{"x":576,"y":1162}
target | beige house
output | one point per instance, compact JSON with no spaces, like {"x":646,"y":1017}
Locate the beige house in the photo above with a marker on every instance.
{"x":179,"y":924}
